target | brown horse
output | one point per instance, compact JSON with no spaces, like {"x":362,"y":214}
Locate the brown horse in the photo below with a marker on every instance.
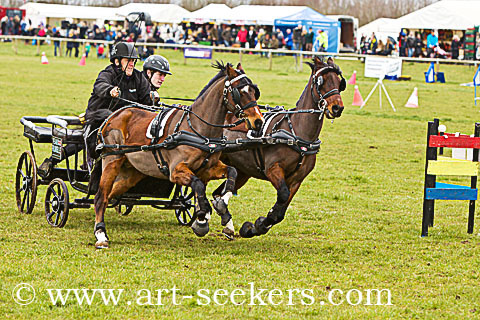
{"x":286,"y":166}
{"x":186,"y":165}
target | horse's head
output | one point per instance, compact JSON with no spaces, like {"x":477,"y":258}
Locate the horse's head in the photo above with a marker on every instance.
{"x":327,"y":83}
{"x":240,"y":97}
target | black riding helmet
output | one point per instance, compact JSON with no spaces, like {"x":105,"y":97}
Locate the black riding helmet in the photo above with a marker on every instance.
{"x":123,"y":50}
{"x":157,"y":63}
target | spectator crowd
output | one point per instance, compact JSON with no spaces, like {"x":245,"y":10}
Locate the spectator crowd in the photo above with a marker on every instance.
{"x":258,"y":37}
{"x":420,"y":44}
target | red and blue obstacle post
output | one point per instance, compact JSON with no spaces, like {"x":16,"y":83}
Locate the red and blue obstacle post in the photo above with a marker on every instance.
{"x":435,"y":165}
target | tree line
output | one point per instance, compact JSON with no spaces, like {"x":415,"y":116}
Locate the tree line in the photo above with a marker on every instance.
{"x":365,"y":10}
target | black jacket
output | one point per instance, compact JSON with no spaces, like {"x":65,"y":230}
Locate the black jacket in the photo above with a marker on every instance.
{"x":134,"y":88}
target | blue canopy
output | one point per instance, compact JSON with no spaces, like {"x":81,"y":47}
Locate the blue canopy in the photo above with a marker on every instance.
{"x":311,"y":18}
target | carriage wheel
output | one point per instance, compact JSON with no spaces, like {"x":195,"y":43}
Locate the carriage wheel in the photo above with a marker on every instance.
{"x":26,"y":183}
{"x":124,"y":209}
{"x":185,"y":215}
{"x":57,"y":203}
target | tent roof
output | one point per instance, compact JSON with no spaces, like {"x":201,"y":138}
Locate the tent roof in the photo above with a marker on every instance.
{"x":306,"y":14}
{"x":67,"y":11}
{"x":256,"y":14}
{"x":167,"y":13}
{"x":383,"y":27}
{"x":446,"y":14}
{"x":212,"y":12}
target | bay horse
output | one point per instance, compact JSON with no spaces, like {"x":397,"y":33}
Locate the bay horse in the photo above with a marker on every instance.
{"x":280,"y":164}
{"x":186,"y":165}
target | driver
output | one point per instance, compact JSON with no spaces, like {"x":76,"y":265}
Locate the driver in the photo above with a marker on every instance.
{"x":155,"y":69}
{"x":119,"y":80}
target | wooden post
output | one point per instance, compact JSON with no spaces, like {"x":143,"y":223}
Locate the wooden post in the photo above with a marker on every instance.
{"x":270,"y":57}
{"x":38,"y":46}
{"x":430,"y":180}
{"x":60,"y":47}
{"x":301,"y":61}
{"x":473,"y":185}
{"x":240,"y":55}
{"x":15,"y":46}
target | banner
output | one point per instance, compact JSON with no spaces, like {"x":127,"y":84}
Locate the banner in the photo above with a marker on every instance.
{"x":198,"y":53}
{"x":379,"y":67}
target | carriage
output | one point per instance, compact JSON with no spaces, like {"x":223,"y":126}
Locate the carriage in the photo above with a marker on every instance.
{"x":63,"y":131}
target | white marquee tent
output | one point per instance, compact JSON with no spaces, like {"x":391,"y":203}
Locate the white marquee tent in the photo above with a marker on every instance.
{"x":445,"y":14}
{"x":261,"y":15}
{"x":164,"y":13}
{"x":39,"y":12}
{"x":214,"y":12}
{"x":383,"y":28}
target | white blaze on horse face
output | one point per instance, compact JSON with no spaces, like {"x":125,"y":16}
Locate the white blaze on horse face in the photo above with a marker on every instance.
{"x":245,"y":89}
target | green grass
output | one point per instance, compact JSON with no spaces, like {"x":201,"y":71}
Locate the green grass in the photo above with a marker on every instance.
{"x":354,"y":224}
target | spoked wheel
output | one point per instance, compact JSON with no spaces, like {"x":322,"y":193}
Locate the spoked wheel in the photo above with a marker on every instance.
{"x":26,"y":183}
{"x":57,"y":203}
{"x":186,"y":214}
{"x":124,"y":209}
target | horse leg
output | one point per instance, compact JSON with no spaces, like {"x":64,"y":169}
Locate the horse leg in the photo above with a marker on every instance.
{"x":276,"y":176}
{"x":182,"y":175}
{"x":127,"y":178}
{"x":221,"y":196}
{"x":110,"y":172}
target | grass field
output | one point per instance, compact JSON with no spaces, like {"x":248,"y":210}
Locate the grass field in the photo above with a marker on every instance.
{"x":354,"y":224}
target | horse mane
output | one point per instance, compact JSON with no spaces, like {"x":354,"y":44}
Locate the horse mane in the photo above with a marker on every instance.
{"x":221,"y":73}
{"x":322,"y":59}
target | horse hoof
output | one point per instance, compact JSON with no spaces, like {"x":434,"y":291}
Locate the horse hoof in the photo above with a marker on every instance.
{"x":219,"y":205}
{"x":228,"y":233}
{"x":260,"y":226}
{"x":101,"y":245}
{"x":200,"y":228}
{"x":247,"y":230}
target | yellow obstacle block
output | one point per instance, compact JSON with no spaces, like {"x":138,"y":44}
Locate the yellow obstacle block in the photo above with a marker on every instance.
{"x":452,"y":168}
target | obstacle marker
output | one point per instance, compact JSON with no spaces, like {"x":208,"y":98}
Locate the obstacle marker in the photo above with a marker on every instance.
{"x":353,"y":78}
{"x":439,"y":165}
{"x":44,"y":58}
{"x":82,"y":60}
{"x":413,"y":100}
{"x":476,"y":82}
{"x":357,"y":98}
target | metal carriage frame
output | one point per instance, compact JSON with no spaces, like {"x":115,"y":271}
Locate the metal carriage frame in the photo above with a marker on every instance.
{"x":60,"y":132}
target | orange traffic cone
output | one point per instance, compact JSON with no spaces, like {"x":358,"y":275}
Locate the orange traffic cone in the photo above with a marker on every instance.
{"x":82,"y":61}
{"x":357,"y":98}
{"x":353,"y":78}
{"x":413,"y":100}
{"x":44,"y":58}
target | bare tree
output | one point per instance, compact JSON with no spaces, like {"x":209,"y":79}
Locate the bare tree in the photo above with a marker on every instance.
{"x":364,"y":10}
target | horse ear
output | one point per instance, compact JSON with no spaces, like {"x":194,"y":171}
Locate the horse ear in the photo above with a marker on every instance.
{"x":239,"y":67}
{"x":231,"y":73}
{"x":317,"y":60}
{"x":330,"y":60}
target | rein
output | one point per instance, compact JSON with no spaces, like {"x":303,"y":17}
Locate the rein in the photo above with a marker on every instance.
{"x":186,"y":109}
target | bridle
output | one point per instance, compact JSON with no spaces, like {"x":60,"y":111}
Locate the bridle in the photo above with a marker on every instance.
{"x":317,"y":83}
{"x":237,"y":109}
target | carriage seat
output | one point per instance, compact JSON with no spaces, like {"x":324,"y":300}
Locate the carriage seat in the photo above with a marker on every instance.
{"x":69,"y":135}
{"x":38,"y":134}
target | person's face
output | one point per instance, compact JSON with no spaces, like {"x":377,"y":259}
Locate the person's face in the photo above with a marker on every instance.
{"x":157,"y":78}
{"x":128,"y":65}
